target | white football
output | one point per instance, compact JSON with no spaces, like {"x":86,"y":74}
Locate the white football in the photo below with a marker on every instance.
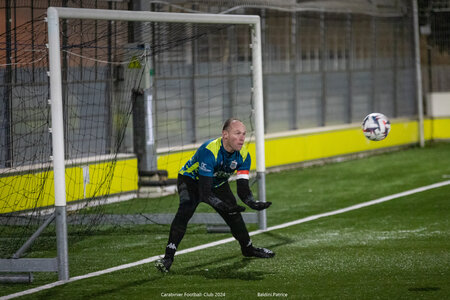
{"x":376,"y":126}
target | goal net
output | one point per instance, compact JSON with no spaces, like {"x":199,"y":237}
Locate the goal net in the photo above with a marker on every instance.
{"x":129,"y":98}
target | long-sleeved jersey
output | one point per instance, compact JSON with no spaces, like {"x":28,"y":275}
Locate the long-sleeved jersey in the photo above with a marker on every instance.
{"x":212,"y":160}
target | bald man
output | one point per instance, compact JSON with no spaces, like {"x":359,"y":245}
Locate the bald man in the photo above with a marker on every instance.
{"x":204,"y":178}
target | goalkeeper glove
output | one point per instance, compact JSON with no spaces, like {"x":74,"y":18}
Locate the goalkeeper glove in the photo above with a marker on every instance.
{"x":256,"y":205}
{"x":225,"y":207}
{"x":229,"y":209}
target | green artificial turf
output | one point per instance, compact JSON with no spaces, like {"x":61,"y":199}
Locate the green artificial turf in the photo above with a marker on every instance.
{"x":394,"y":250}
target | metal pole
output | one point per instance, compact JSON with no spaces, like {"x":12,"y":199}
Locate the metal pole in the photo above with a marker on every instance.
{"x":6,"y":120}
{"x":192,"y":124}
{"x":395,"y":33}
{"x":293,"y":70}
{"x":61,"y":241}
{"x":58,"y":142}
{"x":418,"y":74}
{"x":17,"y":278}
{"x":259,"y":119}
{"x":146,"y":16}
{"x":373,"y":64}
{"x":35,"y":235}
{"x":149,"y":105}
{"x":323,"y":60}
{"x":348,"y":65}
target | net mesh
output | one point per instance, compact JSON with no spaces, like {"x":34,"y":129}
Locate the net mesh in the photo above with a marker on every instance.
{"x":199,"y":75}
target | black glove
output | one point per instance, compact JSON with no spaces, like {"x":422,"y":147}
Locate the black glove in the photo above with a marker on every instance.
{"x":230,"y":209}
{"x":225,"y":207}
{"x":256,"y":205}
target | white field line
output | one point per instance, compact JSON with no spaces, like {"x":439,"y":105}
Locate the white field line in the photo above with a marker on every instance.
{"x":228,"y":240}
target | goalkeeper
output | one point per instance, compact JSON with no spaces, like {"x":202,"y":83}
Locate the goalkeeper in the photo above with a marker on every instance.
{"x":204,"y":178}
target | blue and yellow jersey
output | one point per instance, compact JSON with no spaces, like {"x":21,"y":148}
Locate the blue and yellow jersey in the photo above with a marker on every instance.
{"x":212,"y":160}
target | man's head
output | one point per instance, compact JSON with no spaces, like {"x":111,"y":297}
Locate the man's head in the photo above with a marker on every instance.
{"x":233,"y":135}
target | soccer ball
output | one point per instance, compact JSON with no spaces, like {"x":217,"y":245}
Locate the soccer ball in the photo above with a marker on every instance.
{"x":376,"y":126}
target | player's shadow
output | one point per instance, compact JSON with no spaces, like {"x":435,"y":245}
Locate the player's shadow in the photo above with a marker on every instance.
{"x":230,"y":268}
{"x":235,"y":269}
{"x":280,"y":240}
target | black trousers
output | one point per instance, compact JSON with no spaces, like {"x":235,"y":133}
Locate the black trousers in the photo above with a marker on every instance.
{"x":189,"y":200}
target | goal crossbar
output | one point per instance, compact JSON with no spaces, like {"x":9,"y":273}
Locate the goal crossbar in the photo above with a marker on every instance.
{"x":147,"y":16}
{"x":54,"y":14}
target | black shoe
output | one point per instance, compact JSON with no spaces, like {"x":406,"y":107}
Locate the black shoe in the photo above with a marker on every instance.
{"x":164,"y":264}
{"x":258,"y":252}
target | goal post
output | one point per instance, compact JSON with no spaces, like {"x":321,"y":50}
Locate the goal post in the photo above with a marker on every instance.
{"x":54,"y":15}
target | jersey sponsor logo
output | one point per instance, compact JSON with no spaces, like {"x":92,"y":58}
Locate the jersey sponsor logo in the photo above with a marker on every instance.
{"x":204,"y":167}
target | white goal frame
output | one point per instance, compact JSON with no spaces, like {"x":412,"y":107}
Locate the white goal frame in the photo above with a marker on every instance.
{"x":54,"y":14}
